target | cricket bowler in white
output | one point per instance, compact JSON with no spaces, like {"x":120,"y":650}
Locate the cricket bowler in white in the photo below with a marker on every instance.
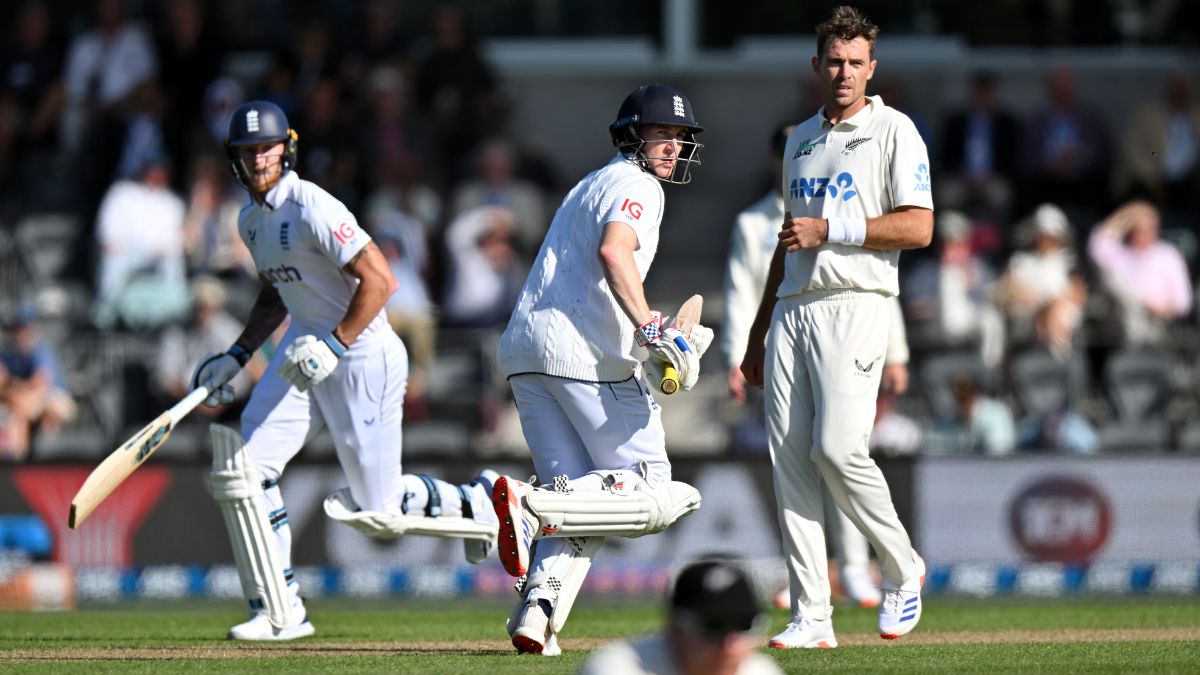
{"x":592,"y":425}
{"x":343,"y":368}
{"x":857,"y":191}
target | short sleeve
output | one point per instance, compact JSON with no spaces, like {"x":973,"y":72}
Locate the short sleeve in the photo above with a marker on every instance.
{"x":911,"y":185}
{"x":336,"y":233}
{"x":637,"y":203}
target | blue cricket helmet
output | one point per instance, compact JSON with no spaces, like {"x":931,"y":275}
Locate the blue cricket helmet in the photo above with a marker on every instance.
{"x":255,"y":123}
{"x":657,"y":104}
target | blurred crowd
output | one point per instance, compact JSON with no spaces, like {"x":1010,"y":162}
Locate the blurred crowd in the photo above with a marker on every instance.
{"x":1065,"y":250}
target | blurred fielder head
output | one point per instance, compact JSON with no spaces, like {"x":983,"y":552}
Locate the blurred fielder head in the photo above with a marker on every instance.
{"x":714,"y":618}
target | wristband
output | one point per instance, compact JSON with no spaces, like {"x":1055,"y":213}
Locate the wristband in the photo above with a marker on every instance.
{"x":649,"y":331}
{"x":849,"y":231}
{"x":335,"y":345}
{"x":239,"y":354}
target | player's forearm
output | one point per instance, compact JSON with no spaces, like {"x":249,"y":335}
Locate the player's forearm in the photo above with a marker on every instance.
{"x":766,"y":306}
{"x":902,"y":229}
{"x":265,"y":316}
{"x":623,"y":279}
{"x":372,"y":294}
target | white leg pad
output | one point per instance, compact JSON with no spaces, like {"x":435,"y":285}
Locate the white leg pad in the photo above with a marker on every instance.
{"x":629,"y":506}
{"x":387,"y":525}
{"x":237,"y":487}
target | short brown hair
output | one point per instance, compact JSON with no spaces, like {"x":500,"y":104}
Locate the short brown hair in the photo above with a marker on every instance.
{"x":846,"y":23}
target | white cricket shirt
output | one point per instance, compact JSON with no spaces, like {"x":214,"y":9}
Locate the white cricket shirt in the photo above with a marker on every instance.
{"x":865,"y":166}
{"x":300,"y":239}
{"x":566,"y":322}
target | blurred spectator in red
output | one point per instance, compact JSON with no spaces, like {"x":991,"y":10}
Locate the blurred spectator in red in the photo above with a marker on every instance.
{"x":139,"y":232}
{"x":979,"y":155}
{"x":948,"y":297}
{"x":33,"y":389}
{"x":1042,"y":291}
{"x":1148,"y":277}
{"x":210,"y":330}
{"x":1067,"y":149}
{"x":1160,"y":152}
{"x":31,"y":96}
{"x":496,"y":184}
{"x":190,"y":56}
{"x":456,"y":89}
{"x":485,"y":272}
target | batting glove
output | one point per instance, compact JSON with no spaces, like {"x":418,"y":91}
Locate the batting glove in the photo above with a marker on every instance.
{"x":216,"y":370}
{"x":673,"y":349}
{"x":309,"y":360}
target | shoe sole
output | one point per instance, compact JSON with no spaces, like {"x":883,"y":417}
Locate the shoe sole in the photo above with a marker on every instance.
{"x":527,"y":645}
{"x":916,"y":619}
{"x":304,"y":630}
{"x":821,"y":644}
{"x":505,"y":501}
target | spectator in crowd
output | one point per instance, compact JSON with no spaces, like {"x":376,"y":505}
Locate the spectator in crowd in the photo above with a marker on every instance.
{"x":31,"y":97}
{"x":1160,"y":152}
{"x":210,"y":236}
{"x":1147,"y":277}
{"x":979,"y":155}
{"x":208,"y":331}
{"x":139,"y":231}
{"x":948,"y":296}
{"x":1042,"y":292}
{"x":486,"y":271}
{"x":456,"y":89}
{"x":713,"y":628}
{"x":495,"y":183}
{"x":190,"y":55}
{"x":34,"y":393}
{"x":1062,"y":431}
{"x":221,"y":97}
{"x":894,"y":434}
{"x":394,"y":140}
{"x":1066,"y":149}
{"x":983,"y":425}
{"x":329,"y":159}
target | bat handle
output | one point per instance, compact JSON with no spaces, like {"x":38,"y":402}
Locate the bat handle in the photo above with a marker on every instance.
{"x":670,"y":381}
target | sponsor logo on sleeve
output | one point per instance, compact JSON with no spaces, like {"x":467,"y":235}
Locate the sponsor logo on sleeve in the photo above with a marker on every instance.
{"x":922,"y":176}
{"x":345,"y":233}
{"x":634,"y":209}
{"x":805,"y":149}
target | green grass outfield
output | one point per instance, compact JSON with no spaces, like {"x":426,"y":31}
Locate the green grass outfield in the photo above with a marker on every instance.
{"x":461,"y":636}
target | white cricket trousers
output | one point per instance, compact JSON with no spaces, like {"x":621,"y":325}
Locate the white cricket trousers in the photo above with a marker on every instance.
{"x":824,"y":356}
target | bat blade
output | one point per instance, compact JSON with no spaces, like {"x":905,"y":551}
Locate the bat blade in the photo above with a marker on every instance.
{"x":127,"y":457}
{"x":687,"y":316}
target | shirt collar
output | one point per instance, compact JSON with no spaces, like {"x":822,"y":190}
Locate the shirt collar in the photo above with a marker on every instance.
{"x":282,"y":190}
{"x":859,"y":118}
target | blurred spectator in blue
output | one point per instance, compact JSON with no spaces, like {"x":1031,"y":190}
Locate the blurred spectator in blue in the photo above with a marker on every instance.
{"x":209,"y":330}
{"x":143,"y":138}
{"x":1160,"y":151}
{"x":190,"y":55}
{"x":485,"y":272}
{"x":983,"y":425}
{"x":139,"y":232}
{"x":1147,"y":277}
{"x":221,"y":97}
{"x":1060,"y":431}
{"x":210,"y":235}
{"x":1042,"y":292}
{"x":34,"y":392}
{"x":979,"y":155}
{"x":31,"y":96}
{"x":948,"y":297}
{"x":495,"y":184}
{"x":1066,"y":150}
{"x":456,"y":89}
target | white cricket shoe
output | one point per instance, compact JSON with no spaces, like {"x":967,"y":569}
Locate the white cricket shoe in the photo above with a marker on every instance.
{"x":901,"y":607}
{"x":517,"y":526}
{"x":479,"y":491}
{"x":805,"y":634}
{"x":859,"y":587}
{"x":259,"y":629}
{"x":532,"y":634}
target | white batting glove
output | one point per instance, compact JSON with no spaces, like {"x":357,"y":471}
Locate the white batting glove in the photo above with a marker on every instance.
{"x":309,"y":360}
{"x":216,"y":370}
{"x":700,"y":337}
{"x":672,"y":348}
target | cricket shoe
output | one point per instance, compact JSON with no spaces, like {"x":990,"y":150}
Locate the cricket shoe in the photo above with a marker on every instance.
{"x":859,"y":587}
{"x":901,"y":608}
{"x":805,"y":634}
{"x":479,"y":492}
{"x":517,"y":525}
{"x":260,"y":629}
{"x":533,"y":634}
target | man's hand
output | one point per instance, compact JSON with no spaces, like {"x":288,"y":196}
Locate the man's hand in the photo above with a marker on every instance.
{"x":800,"y":233}
{"x":673,"y":349}
{"x":737,"y":385}
{"x":752,"y":363}
{"x":894,"y":379}
{"x":215,"y":371}
{"x":309,"y":360}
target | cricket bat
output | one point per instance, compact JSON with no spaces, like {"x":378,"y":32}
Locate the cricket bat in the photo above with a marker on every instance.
{"x":129,"y":456}
{"x":687,"y":316}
